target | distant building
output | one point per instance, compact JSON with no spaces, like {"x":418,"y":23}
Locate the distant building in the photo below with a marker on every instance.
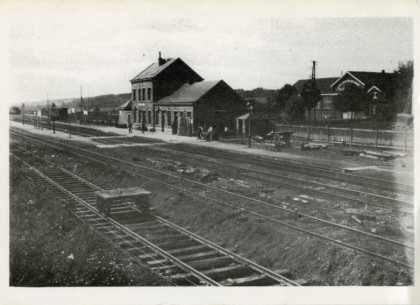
{"x":125,"y":113}
{"x":373,"y":83}
{"x":325,"y":108}
{"x":170,"y":94}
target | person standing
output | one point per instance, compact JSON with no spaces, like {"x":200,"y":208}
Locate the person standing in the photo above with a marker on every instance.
{"x":130,"y":127}
{"x":199,"y":133}
{"x":226,"y":132}
{"x":210,"y":130}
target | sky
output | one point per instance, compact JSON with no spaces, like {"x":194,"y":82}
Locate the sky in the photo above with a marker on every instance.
{"x":57,"y":48}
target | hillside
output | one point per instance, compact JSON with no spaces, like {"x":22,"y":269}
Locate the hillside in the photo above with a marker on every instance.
{"x":101,"y":101}
{"x":258,"y":93}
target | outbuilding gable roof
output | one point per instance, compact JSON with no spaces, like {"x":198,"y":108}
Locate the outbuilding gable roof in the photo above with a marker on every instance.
{"x":155,"y":69}
{"x":126,"y":106}
{"x":189,"y":93}
{"x":323,"y":84}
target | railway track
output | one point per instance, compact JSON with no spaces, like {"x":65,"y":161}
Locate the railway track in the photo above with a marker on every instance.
{"x":333,"y":174}
{"x":307,"y":169}
{"x":310,"y":170}
{"x":359,"y":241}
{"x":301,"y":185}
{"x":74,"y":129}
{"x":176,"y":254}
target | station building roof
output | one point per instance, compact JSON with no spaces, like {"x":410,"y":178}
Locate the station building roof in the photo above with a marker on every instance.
{"x":157,"y":68}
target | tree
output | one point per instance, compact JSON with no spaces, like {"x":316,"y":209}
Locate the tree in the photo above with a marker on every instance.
{"x":295,"y":108}
{"x":15,"y":110}
{"x":352,"y":98}
{"x":403,"y":87}
{"x":385,"y":108}
{"x":311,"y":95}
{"x":282,"y":96}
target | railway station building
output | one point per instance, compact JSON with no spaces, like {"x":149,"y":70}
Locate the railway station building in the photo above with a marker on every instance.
{"x":169,"y":94}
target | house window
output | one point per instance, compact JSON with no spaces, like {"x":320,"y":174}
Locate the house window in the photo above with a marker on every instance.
{"x":149,"y":116}
{"x":143,"y":94}
{"x":149,"y":93}
{"x":169,"y":118}
{"x":327,"y":102}
{"x":134,"y":94}
{"x":188,"y":114}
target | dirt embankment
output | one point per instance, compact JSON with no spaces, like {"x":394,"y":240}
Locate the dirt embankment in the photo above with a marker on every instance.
{"x":49,"y":247}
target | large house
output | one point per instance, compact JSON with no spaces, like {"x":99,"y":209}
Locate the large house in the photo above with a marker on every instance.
{"x":373,"y":83}
{"x":170,"y":94}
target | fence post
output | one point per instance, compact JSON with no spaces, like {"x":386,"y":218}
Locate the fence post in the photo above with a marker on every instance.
{"x":309,"y":131}
{"x":351,"y":136}
{"x":329,"y":134}
{"x":376,"y":138}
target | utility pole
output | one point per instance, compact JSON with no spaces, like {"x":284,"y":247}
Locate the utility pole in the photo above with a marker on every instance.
{"x":249,"y":106}
{"x":69,"y":119}
{"x":23,"y":113}
{"x":48,"y":110}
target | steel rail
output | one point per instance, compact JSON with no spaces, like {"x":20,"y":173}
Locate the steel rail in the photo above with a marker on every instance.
{"x":294,"y":186}
{"x":204,"y":278}
{"x":102,"y":235}
{"x":254,"y":213}
{"x":230,"y":193}
{"x":334,"y":173}
{"x":219,"y":249}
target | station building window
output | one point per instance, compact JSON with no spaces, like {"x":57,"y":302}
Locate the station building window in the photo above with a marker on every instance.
{"x":143,"y":94}
{"x":149,"y":93}
{"x":157,"y":117}
{"x":134,"y":94}
{"x":176,"y":116}
{"x":169,"y":118}
{"x":188,"y":114}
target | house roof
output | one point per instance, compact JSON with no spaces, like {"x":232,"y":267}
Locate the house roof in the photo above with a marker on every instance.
{"x":127,"y":105}
{"x":189,"y":93}
{"x":155,"y":69}
{"x":323,"y":84}
{"x":381,"y":80}
{"x":255,"y":116}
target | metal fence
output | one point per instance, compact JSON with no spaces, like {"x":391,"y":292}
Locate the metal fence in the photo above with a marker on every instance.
{"x":352,"y":136}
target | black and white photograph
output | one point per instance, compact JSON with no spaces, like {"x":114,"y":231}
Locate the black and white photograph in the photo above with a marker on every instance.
{"x":264,"y":149}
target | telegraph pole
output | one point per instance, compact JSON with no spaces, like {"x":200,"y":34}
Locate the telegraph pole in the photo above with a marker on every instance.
{"x":23,"y":113}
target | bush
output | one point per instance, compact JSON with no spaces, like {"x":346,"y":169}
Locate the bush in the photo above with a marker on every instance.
{"x":152,"y":130}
